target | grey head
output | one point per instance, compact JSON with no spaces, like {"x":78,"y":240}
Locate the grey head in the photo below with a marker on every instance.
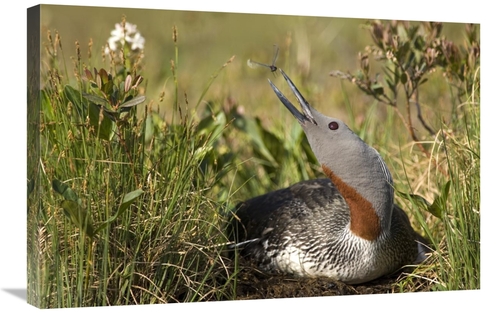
{"x":355,"y":168}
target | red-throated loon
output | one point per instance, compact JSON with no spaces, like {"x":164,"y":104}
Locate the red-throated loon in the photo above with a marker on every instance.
{"x":346,"y":226}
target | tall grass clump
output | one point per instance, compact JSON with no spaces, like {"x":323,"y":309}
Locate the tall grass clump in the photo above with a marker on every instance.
{"x":125,"y":213}
{"x":441,"y":161}
{"x":458,"y":252}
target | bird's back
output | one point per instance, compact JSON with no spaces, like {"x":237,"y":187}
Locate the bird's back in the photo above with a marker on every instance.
{"x":304,"y":216}
{"x":300,"y":208}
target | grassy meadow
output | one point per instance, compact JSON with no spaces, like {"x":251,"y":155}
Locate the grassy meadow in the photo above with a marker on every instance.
{"x":137,"y":155}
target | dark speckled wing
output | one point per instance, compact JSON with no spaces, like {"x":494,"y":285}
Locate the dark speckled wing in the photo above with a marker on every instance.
{"x":407,"y":246}
{"x":307,"y":210}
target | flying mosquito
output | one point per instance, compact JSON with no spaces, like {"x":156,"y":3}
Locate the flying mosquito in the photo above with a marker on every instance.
{"x":272,"y":67}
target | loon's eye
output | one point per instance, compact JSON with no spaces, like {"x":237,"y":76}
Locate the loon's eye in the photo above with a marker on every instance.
{"x":333,"y":125}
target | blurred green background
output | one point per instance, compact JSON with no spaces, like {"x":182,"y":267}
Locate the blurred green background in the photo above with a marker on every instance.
{"x":310,"y":47}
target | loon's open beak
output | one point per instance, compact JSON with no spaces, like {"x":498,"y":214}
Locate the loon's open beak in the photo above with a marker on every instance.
{"x":302,"y":118}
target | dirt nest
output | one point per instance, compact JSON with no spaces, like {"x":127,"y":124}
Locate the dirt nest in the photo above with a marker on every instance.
{"x":255,"y":284}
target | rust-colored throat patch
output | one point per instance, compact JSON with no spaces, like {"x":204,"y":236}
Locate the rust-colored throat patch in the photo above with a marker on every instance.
{"x":365,"y":222}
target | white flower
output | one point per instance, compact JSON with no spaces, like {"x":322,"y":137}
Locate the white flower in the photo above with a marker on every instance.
{"x":138,"y":41}
{"x":125,"y":35}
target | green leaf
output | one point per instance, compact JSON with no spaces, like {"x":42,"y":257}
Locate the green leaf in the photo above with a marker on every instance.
{"x":402,"y":51}
{"x":106,"y":127}
{"x":75,"y":97}
{"x":127,"y":200}
{"x":422,"y":81}
{"x":413,"y":31}
{"x":252,"y":128}
{"x":415,"y":199}
{"x":107,"y":88}
{"x":95,"y":99}
{"x":359,"y":75}
{"x":72,"y":207}
{"x":402,"y":32}
{"x":378,"y":89}
{"x":404,"y":78}
{"x":64,"y":190}
{"x":212,"y":126}
{"x":133,"y":102}
{"x":78,"y":216}
{"x":72,"y":94}
{"x":419,"y":43}
{"x":438,"y":207}
{"x":104,"y":76}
